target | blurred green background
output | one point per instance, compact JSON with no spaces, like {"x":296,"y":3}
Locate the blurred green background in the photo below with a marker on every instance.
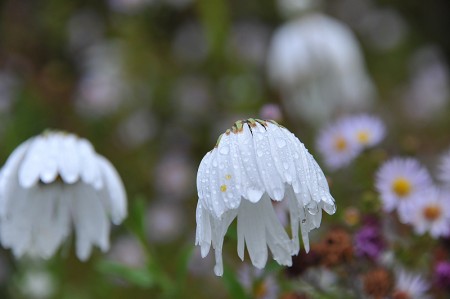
{"x":152,"y":84}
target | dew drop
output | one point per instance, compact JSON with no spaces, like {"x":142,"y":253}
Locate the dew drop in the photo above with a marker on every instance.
{"x":259,"y":153}
{"x":286,"y":165}
{"x":281,"y":142}
{"x":224,"y":150}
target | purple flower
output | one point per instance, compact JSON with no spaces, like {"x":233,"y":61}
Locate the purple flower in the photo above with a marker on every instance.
{"x":442,"y":274}
{"x":369,"y":241}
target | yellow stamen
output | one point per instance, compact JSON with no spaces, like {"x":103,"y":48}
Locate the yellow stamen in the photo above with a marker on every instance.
{"x":223,"y":188}
{"x":363,"y":137}
{"x":401,"y":187}
{"x":228,"y":177}
{"x":340,"y":144}
{"x":432,"y":212}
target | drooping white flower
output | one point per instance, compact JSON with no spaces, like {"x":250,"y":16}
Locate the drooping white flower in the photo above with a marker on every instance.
{"x":52,"y":183}
{"x":316,"y":63}
{"x":252,"y":164}
{"x":401,"y":182}
{"x":410,"y":286}
{"x":432,"y":213}
{"x":337,"y":144}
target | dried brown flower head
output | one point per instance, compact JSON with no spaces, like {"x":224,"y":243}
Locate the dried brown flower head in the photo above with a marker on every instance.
{"x":377,"y":283}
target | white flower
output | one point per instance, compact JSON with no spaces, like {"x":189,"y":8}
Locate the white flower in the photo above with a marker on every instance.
{"x":52,"y":182}
{"x":365,"y":130}
{"x":337,"y":144}
{"x":317,"y":65}
{"x":400,"y":182}
{"x":432,"y":213}
{"x":410,"y":286}
{"x":252,"y":164}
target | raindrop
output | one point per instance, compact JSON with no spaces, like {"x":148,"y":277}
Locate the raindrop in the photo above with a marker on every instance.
{"x":281,"y":142}
{"x":259,"y":153}
{"x":224,"y":150}
{"x":286,"y":165}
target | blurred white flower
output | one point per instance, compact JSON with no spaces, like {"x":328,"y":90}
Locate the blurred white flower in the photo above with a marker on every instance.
{"x":432,"y":213}
{"x":401,"y":182}
{"x":337,"y":144}
{"x":128,"y":251}
{"x":164,"y":222}
{"x":410,"y":286}
{"x":52,"y":182}
{"x":366,"y":130}
{"x":103,"y":86}
{"x":37,"y":284}
{"x":317,"y":65}
{"x":252,"y":164}
{"x":428,"y":93}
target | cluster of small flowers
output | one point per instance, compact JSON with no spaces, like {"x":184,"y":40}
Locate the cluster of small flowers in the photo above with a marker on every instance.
{"x":407,"y":187}
{"x":342,"y":141}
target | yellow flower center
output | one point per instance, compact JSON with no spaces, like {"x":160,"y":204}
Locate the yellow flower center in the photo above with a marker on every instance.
{"x":340,"y":144}
{"x":401,"y":187}
{"x":363,"y":137}
{"x":432,"y":212}
{"x":223,"y":188}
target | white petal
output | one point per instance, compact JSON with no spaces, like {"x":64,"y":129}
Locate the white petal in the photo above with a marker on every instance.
{"x":251,"y":183}
{"x":216,"y":201}
{"x":280,"y":149}
{"x":278,"y":240}
{"x":252,"y":226}
{"x":203,"y":232}
{"x":49,"y":165}
{"x":90,"y":220}
{"x":203,"y":182}
{"x":265,"y":160}
{"x":52,"y":220}
{"x":116,"y":190}
{"x":219,"y":228}
{"x":90,"y":170}
{"x":68,"y":159}
{"x":229,"y":177}
{"x":31,"y":166}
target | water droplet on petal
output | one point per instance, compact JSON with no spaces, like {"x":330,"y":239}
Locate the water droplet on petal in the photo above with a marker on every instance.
{"x":286,"y":165}
{"x":281,"y":142}
{"x":224,"y":150}
{"x":259,"y":153}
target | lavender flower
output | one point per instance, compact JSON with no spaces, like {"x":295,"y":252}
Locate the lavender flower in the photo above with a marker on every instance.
{"x":369,"y":241}
{"x":442,"y":274}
